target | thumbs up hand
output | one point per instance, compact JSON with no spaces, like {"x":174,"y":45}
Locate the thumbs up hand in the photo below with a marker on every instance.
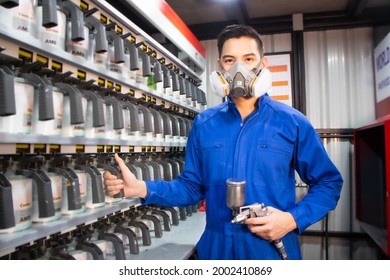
{"x":130,"y":184}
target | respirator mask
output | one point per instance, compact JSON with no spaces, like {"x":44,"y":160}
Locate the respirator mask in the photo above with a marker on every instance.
{"x":240,"y":81}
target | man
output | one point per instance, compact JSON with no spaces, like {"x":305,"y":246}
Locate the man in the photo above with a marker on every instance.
{"x":251,"y":137}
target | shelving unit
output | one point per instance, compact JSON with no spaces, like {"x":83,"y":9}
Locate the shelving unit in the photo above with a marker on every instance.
{"x":24,"y":48}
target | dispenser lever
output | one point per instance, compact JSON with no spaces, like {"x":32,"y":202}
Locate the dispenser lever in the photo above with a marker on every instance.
{"x":7,"y":92}
{"x":157,"y":72}
{"x":96,"y":182}
{"x":45,"y":95}
{"x":97,"y":28}
{"x":188,"y":89}
{"x":148,"y":127}
{"x":119,"y":50}
{"x":175,"y":81}
{"x":76,"y":105}
{"x":146,"y":68}
{"x":96,"y":252}
{"x":174,"y":214}
{"x":77,"y":19}
{"x":165,"y":216}
{"x":97,"y":107}
{"x":132,"y":50}
{"x":167,"y":82}
{"x":134,"y":119}
{"x":158,"y":122}
{"x":156,"y":223}
{"x":117,"y":243}
{"x":49,"y":13}
{"x":72,"y":188}
{"x":7,"y":216}
{"x":146,"y":239}
{"x":44,"y":191}
{"x":117,"y":111}
{"x":131,"y":236}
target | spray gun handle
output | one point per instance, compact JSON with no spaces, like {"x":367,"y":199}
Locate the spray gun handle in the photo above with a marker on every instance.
{"x":165,"y":217}
{"x":259,"y":210}
{"x":249,"y":211}
{"x":131,"y":236}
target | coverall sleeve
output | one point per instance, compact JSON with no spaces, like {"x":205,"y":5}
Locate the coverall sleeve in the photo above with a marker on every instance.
{"x":318,"y":171}
{"x":187,"y":188}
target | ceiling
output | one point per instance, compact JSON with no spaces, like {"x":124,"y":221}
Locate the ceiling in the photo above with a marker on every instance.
{"x":205,"y":18}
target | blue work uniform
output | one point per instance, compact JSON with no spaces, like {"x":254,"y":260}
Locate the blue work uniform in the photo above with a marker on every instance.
{"x":265,"y":149}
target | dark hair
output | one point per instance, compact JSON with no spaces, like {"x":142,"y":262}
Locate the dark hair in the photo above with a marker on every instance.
{"x":238,"y":31}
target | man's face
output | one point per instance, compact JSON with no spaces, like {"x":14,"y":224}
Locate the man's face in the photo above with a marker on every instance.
{"x":244,"y":49}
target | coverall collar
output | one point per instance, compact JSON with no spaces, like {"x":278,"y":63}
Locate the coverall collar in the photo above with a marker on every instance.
{"x":261,"y":101}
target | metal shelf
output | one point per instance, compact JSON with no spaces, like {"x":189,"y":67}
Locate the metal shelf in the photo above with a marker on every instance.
{"x":176,"y":244}
{"x":9,"y":241}
{"x":78,"y":140}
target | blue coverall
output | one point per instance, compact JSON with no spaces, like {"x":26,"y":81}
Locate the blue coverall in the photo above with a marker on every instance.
{"x":264,"y":149}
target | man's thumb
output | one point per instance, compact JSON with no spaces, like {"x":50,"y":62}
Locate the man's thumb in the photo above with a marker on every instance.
{"x":120,"y":163}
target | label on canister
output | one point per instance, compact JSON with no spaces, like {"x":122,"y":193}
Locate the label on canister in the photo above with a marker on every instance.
{"x":53,"y":36}
{"x":24,"y":16}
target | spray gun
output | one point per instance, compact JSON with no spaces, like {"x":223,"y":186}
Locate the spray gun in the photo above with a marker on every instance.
{"x":235,"y":200}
